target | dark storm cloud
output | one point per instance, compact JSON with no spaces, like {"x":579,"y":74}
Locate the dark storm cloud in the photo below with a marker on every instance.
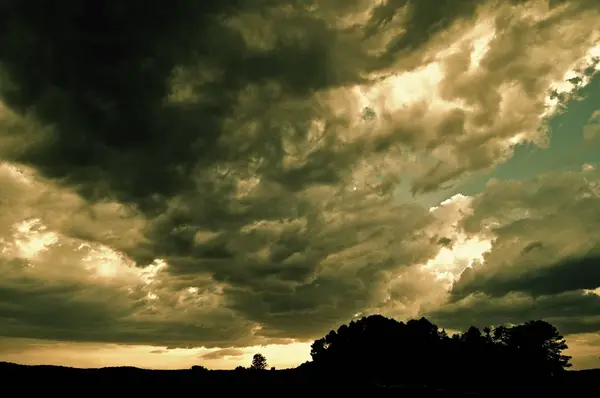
{"x":299,"y":288}
{"x":421,"y":19}
{"x":292,"y":277}
{"x":572,"y":312}
{"x":566,"y":275}
{"x":100,"y":74}
{"x":98,"y":313}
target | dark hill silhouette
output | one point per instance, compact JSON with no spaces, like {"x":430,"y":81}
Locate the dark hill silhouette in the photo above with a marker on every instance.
{"x":374,"y":355}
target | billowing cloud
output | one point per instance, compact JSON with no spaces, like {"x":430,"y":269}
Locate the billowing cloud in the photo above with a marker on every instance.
{"x":211,"y":85}
{"x":270,"y":279}
{"x":228,"y":174}
{"x":544,"y":235}
{"x":573,"y":312}
{"x":543,"y":259}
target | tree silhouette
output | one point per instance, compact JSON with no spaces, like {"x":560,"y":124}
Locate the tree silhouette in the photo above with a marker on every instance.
{"x":539,"y":345}
{"x":259,"y":362}
{"x":384,"y":350}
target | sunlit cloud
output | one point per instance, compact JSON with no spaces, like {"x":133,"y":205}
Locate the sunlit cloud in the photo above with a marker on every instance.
{"x":31,"y":238}
{"x":462,"y":250}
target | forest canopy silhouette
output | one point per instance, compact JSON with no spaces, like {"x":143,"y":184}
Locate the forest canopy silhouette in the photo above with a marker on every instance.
{"x":387,"y":351}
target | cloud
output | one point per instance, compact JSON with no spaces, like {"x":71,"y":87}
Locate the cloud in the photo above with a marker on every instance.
{"x":19,"y":345}
{"x":222,"y":353}
{"x":591,"y":131}
{"x":569,"y":274}
{"x":571,"y":312}
{"x":27,"y":196}
{"x":64,"y":277}
{"x":113,"y":312}
{"x":544,"y":239}
{"x":181,"y":102}
{"x":256,"y":283}
{"x":541,"y":263}
{"x":588,"y":167}
{"x":498,"y":96}
{"x":585,"y":350}
{"x":210,"y":178}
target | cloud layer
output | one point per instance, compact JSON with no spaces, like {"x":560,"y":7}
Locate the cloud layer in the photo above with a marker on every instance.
{"x":230,"y":175}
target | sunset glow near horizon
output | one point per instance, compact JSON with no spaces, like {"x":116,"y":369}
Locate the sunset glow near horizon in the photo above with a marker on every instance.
{"x":380,"y":162}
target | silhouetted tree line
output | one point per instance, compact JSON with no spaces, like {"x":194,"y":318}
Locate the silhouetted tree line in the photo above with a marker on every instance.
{"x":386,"y":351}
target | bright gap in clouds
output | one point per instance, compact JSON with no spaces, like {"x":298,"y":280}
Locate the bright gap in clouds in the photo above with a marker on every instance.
{"x":452,"y":261}
{"x":401,"y":90}
{"x":573,"y":80}
{"x":464,"y":251}
{"x":31,"y":238}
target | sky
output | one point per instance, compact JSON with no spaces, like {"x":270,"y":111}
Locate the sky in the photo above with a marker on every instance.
{"x":195,"y":183}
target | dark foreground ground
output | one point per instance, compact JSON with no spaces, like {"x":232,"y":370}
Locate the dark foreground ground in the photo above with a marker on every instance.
{"x":66,"y":381}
